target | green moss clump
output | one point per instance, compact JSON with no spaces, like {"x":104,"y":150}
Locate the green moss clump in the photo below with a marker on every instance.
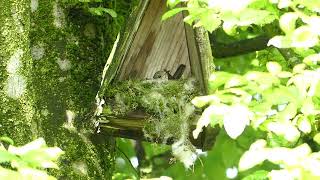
{"x":167,"y":103}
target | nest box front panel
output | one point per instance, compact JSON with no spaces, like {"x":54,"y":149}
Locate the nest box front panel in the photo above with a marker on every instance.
{"x":157,"y":46}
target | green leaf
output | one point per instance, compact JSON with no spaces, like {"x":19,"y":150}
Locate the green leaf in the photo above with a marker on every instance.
{"x":111,"y":12}
{"x":274,"y":68}
{"x":99,"y":11}
{"x":39,"y":159}
{"x":172,"y":12}
{"x":254,"y":16}
{"x":7,"y":140}
{"x":304,"y":125}
{"x":9,"y":174}
{"x":28,"y":173}
{"x":173,"y":3}
{"x":313,"y":5}
{"x":254,"y":156}
{"x":304,"y":37}
{"x":285,"y":156}
{"x":218,"y":79}
{"x":311,"y":60}
{"x":285,"y":129}
{"x":299,"y":68}
{"x":316,"y":138}
{"x":202,"y":101}
{"x":211,"y":115}
{"x":225,"y":5}
{"x":288,"y":22}
{"x":314,"y":23}
{"x":284,"y":3}
{"x":257,"y":175}
{"x":280,"y":42}
{"x":235,"y":81}
{"x":34,"y":145}
{"x":284,"y":74}
{"x":263,"y":79}
{"x":209,"y":20}
{"x":5,"y":156}
{"x":236,"y":119}
{"x":308,"y":107}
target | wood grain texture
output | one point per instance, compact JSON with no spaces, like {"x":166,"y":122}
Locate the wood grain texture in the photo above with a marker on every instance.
{"x":158,"y":45}
{"x":122,"y":46}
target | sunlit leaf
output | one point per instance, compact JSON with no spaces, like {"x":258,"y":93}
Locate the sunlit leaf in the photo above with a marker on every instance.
{"x":172,"y":12}
{"x":29,"y":173}
{"x":257,"y":175}
{"x":254,"y":16}
{"x":209,"y":19}
{"x":36,"y":144}
{"x":254,"y":156}
{"x":316,"y":138}
{"x":210,"y":116}
{"x":284,"y":3}
{"x":201,"y":101}
{"x":173,"y":3}
{"x":225,"y":5}
{"x":5,"y":156}
{"x":284,"y":74}
{"x":304,"y":37}
{"x":218,"y":79}
{"x":235,"y":81}
{"x":7,"y":140}
{"x":308,"y":107}
{"x":236,"y":119}
{"x":312,"y":59}
{"x":285,"y":129}
{"x":304,"y":125}
{"x":274,"y":67}
{"x":299,"y":68}
{"x":313,"y":22}
{"x":288,"y":22}
{"x":287,"y":156}
{"x":313,"y":5}
{"x":99,"y":11}
{"x":280,"y":42}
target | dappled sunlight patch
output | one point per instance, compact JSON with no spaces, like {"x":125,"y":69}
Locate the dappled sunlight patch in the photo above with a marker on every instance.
{"x":64,"y":64}
{"x":37,"y":52}
{"x":14,"y":62}
{"x":80,"y":167}
{"x":59,"y":16}
{"x":70,"y":115}
{"x":34,"y":5}
{"x":134,"y":161}
{"x":231,"y":172}
{"x":15,"y":86}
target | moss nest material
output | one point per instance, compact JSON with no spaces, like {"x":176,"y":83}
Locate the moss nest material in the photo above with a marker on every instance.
{"x":166,"y":102}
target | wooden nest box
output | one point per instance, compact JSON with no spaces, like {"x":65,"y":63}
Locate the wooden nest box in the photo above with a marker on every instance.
{"x":149,"y":45}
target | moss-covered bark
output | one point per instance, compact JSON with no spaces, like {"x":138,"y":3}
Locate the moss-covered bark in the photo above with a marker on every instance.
{"x":52,"y":55}
{"x":17,"y":106}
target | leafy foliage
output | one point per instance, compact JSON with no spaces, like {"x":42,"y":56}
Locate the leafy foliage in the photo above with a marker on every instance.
{"x":274,"y":96}
{"x":267,"y":103}
{"x":28,"y":161}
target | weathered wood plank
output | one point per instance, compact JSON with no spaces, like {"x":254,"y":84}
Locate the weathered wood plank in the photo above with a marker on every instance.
{"x":132,"y":128}
{"x":121,"y":46}
{"x":158,"y":45}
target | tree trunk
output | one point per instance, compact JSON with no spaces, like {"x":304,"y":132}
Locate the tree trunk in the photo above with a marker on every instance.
{"x":51,"y":58}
